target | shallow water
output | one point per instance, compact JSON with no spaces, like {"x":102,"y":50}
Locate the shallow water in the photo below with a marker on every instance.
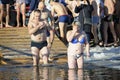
{"x":57,"y":72}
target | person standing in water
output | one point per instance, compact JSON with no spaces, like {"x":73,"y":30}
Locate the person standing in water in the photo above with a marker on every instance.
{"x":38,"y":29}
{"x":77,"y":41}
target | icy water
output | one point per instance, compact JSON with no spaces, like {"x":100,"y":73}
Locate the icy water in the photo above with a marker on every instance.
{"x":57,"y":72}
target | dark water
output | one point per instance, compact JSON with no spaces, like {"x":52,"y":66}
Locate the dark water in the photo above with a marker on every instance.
{"x":57,"y":72}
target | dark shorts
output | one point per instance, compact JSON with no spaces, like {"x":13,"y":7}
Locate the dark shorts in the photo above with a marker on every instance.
{"x":64,"y":18}
{"x":106,"y":18}
{"x":48,"y":33}
{"x":5,"y":1}
{"x":39,"y":45}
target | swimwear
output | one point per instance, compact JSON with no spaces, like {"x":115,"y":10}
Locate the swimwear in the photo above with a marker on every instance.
{"x":78,"y":55}
{"x":82,"y":41}
{"x":108,"y":20}
{"x":95,"y":19}
{"x":39,"y":45}
{"x":48,"y":33}
{"x":5,"y":1}
{"x":64,"y":18}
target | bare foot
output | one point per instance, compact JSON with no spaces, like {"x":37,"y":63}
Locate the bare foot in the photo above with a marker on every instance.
{"x":115,"y":44}
{"x":105,"y":45}
{"x":1,"y":25}
{"x":24,"y":26}
{"x":8,"y":26}
{"x":18,"y":25}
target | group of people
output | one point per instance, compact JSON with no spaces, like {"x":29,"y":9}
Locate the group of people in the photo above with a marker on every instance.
{"x":41,"y":29}
{"x":85,"y":16}
{"x":13,"y":12}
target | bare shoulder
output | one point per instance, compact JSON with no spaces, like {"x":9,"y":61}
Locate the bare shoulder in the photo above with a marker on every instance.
{"x":69,"y":31}
{"x":30,"y":23}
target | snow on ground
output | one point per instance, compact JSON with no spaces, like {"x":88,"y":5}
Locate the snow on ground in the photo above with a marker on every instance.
{"x":105,"y":57}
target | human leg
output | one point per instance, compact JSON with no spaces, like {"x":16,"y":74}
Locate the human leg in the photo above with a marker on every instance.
{"x":105,"y":33}
{"x":63,"y":20}
{"x":71,"y":61}
{"x":72,"y":74}
{"x":23,"y":9}
{"x":18,"y":14}
{"x":111,"y":25}
{"x":95,"y":22}
{"x":118,"y":32}
{"x":88,"y":36}
{"x":94,"y":31}
{"x":80,"y":62}
{"x":62,"y":27}
{"x":35,"y":54}
{"x":63,"y":31}
{"x":7,"y":16}
{"x":80,"y":74}
{"x":100,"y":27}
{"x":1,"y":15}
{"x":45,"y":54}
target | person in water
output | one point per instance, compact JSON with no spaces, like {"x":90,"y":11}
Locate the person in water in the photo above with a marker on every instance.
{"x":77,"y":41}
{"x":38,"y":29}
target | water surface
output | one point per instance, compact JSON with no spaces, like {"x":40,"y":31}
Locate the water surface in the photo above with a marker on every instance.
{"x":57,"y":72}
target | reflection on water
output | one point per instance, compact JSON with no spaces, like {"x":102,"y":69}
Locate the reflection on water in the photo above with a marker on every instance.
{"x":36,"y":73}
{"x":27,"y":72}
{"x":75,"y":74}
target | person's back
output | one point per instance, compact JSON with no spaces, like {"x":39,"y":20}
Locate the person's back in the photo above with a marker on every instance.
{"x":63,"y":18}
{"x":59,"y":9}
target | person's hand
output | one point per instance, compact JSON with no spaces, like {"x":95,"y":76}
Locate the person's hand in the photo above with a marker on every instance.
{"x":49,"y":45}
{"x":41,"y":25}
{"x":75,"y":28}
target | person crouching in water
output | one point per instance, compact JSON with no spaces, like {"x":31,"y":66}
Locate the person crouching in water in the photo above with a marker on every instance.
{"x":77,"y":41}
{"x":38,"y":29}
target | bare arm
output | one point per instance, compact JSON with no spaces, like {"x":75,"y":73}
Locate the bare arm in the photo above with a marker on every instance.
{"x":51,"y":22}
{"x":31,"y":16}
{"x":70,"y":35}
{"x":52,"y":11}
{"x":87,"y":47}
{"x":50,"y":41}
{"x":32,"y":29}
